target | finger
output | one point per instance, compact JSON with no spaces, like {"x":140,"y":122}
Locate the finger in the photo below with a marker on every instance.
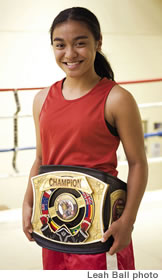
{"x":106,"y":235}
{"x":28,"y":232}
{"x":29,"y":236}
{"x":113,"y":249}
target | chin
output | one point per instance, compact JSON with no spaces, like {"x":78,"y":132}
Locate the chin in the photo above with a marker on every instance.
{"x":74,"y":75}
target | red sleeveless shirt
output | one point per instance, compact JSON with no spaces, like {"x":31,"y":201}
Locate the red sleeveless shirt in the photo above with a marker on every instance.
{"x":74,"y":132}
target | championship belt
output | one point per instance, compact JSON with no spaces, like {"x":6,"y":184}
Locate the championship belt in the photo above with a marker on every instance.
{"x":74,"y":206}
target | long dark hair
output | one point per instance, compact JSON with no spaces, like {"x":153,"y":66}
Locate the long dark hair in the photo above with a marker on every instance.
{"x":101,"y":64}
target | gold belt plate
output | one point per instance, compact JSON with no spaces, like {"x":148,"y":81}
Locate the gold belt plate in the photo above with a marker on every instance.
{"x":68,"y":207}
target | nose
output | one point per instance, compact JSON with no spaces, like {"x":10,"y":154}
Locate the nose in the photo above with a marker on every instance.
{"x":70,"y":53}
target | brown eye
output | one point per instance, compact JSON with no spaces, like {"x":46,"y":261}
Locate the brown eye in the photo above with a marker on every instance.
{"x":59,"y":46}
{"x":80,"y":44}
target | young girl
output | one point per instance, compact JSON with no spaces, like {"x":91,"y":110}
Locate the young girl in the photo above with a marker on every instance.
{"x":80,"y":121}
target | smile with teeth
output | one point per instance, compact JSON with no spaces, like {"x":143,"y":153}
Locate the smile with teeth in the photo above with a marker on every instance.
{"x":72,"y":63}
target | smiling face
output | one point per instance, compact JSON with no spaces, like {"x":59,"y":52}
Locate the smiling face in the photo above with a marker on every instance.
{"x":75,"y":48}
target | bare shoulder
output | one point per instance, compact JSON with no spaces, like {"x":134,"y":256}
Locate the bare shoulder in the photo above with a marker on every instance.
{"x":41,"y":95}
{"x":39,"y":99}
{"x":118,"y":95}
{"x":120,"y":100}
{"x":119,"y":103}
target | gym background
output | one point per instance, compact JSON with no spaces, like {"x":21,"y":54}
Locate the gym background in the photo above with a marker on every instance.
{"x":132,"y":42}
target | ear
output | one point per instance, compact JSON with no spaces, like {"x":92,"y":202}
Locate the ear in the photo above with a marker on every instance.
{"x":99,"y":44}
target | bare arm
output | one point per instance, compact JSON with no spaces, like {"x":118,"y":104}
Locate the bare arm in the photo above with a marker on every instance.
{"x":28,"y":198}
{"x":122,"y":112}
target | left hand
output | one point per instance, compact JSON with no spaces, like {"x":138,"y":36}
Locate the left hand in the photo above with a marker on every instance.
{"x":121,"y":232}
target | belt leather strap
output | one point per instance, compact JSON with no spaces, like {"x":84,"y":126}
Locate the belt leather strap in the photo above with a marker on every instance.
{"x":74,"y":206}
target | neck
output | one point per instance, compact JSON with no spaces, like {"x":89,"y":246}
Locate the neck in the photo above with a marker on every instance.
{"x":75,"y":87}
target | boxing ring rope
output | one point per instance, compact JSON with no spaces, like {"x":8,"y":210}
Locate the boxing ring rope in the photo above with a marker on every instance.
{"x":146,"y":135}
{"x":15,"y":149}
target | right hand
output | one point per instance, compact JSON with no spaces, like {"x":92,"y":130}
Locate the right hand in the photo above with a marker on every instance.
{"x":27,"y":226}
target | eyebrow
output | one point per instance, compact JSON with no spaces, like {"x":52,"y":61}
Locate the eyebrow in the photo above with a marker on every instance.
{"x":75,"y":39}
